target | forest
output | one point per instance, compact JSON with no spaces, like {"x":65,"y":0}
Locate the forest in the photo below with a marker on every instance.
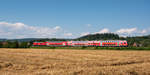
{"x":136,"y":41}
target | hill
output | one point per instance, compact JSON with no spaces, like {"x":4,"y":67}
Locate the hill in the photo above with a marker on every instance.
{"x":105,"y":36}
{"x":140,"y":41}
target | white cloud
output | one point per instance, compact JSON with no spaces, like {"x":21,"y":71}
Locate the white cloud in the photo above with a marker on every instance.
{"x":105,"y":30}
{"x":57,"y":28}
{"x":143,"y":31}
{"x":132,"y":32}
{"x":68,"y":34}
{"x":85,"y":33}
{"x":12,"y":25}
{"x":21,"y":30}
{"x":126,"y":31}
{"x":88,"y":25}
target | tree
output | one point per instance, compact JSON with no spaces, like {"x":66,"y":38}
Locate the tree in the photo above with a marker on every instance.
{"x":5,"y":44}
{"x":1,"y":45}
{"x":104,"y":36}
{"x":23,"y":45}
{"x":13,"y":44}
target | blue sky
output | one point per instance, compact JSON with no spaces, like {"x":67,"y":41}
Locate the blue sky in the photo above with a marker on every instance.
{"x":73,"y":18}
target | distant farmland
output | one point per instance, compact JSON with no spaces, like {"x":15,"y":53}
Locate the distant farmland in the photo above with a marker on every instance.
{"x":73,"y":62}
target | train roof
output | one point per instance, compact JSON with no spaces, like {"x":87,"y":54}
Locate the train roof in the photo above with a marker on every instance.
{"x":82,"y":41}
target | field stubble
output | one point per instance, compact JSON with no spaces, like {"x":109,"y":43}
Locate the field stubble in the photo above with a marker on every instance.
{"x":73,"y":62}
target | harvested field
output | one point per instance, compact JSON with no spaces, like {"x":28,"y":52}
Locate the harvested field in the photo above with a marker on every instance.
{"x":73,"y":62}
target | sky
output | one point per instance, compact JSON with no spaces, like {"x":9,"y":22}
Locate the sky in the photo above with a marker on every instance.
{"x":73,"y":18}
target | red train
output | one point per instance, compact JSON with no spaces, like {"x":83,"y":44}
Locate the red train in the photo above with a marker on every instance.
{"x":102,"y":43}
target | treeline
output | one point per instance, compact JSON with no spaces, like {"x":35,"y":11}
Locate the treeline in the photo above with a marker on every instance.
{"x":137,"y":41}
{"x":15,"y":44}
{"x":105,"y":36}
{"x":25,"y":43}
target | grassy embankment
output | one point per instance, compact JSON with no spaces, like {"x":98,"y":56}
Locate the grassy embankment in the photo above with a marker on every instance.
{"x":94,"y":48}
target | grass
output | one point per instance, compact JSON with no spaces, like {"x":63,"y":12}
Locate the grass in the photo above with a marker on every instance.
{"x":93,"y":48}
{"x":73,"y":62}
